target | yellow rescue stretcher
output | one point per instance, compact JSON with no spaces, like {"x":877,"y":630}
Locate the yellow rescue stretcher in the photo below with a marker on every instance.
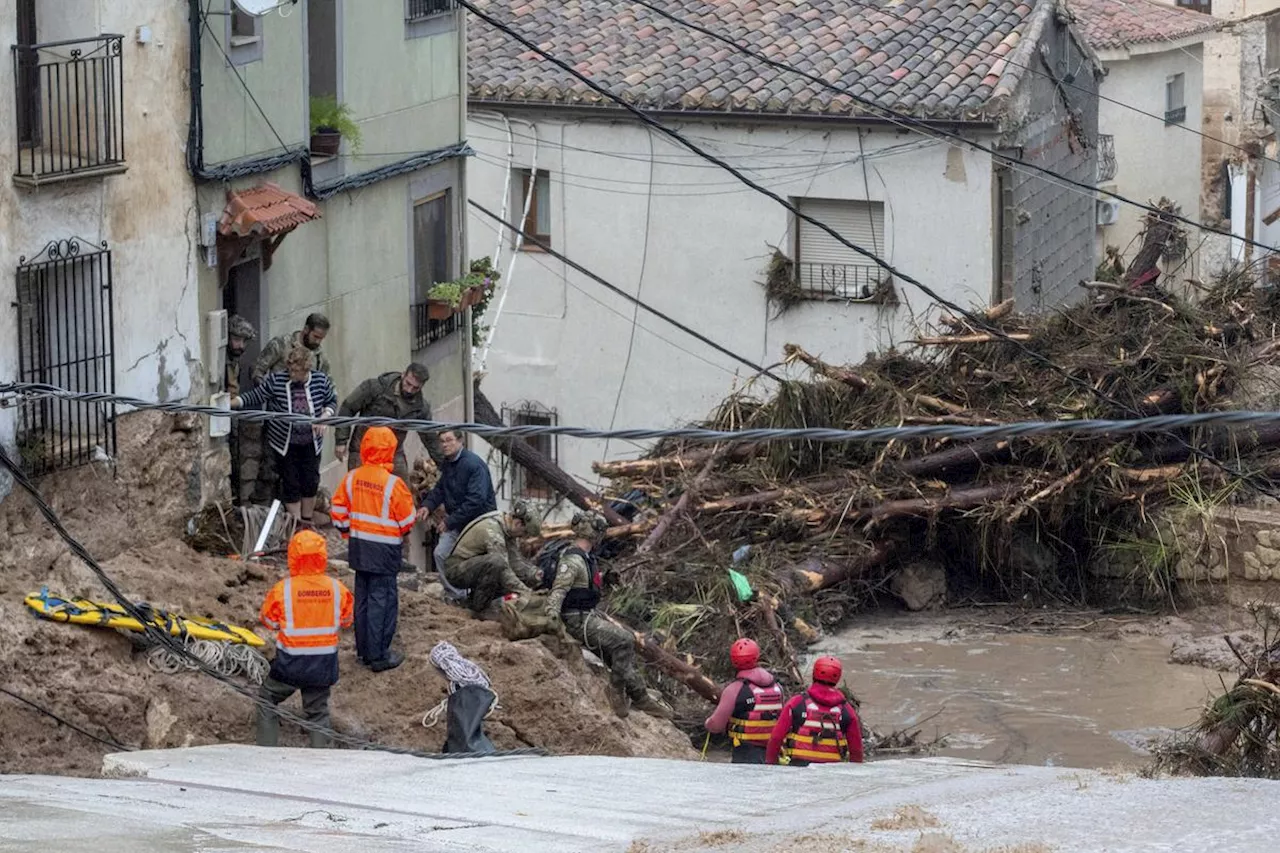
{"x":81,"y":611}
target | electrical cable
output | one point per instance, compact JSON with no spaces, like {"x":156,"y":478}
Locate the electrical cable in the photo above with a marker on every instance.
{"x":904,"y":120}
{"x":245,"y":85}
{"x":105,"y":741}
{"x":162,"y":638}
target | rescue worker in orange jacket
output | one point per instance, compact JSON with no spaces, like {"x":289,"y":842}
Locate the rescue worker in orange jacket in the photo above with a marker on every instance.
{"x":749,"y":705}
{"x":306,"y":610}
{"x":819,"y":725}
{"x":373,"y":510}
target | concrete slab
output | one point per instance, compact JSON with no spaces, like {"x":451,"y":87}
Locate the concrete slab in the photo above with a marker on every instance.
{"x":231,"y":798}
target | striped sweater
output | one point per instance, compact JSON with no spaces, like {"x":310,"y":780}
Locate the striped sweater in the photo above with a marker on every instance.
{"x":273,"y":394}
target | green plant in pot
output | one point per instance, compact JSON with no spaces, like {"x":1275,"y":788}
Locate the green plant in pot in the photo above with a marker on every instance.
{"x":331,"y":123}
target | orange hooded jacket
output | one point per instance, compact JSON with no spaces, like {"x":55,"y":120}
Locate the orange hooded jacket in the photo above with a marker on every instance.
{"x":373,"y":508}
{"x":306,"y":610}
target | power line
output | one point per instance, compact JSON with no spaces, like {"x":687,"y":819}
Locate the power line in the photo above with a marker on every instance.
{"x":162,"y":637}
{"x":247,"y":90}
{"x":895,"y":116}
{"x":105,"y":741}
{"x":1244,"y":421}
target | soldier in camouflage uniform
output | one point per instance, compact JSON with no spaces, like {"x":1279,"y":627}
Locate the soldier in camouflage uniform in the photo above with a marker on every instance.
{"x":257,"y":465}
{"x":239,"y":332}
{"x":574,"y":595}
{"x":391,"y":395}
{"x":487,"y":560}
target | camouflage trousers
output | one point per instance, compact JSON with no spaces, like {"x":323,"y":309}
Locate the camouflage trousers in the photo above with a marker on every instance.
{"x":254,"y":478}
{"x":487,"y":576}
{"x":616,"y":647}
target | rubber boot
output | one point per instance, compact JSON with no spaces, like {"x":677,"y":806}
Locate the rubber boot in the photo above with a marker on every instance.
{"x":319,"y":740}
{"x":391,"y":661}
{"x":653,"y":705}
{"x":268,"y":728}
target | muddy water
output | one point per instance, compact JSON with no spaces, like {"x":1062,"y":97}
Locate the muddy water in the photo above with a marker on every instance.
{"x":1067,"y":700}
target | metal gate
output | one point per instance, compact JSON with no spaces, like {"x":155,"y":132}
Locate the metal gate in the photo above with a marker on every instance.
{"x":66,"y":338}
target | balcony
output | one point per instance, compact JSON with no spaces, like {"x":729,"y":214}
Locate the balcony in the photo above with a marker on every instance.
{"x":69,"y":98}
{"x":1106,"y":157}
{"x":840,"y":281}
{"x":427,"y":331}
{"x":418,"y":10}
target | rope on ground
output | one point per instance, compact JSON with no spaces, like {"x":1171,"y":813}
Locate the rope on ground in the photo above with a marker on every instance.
{"x":460,"y":672}
{"x":226,"y":659}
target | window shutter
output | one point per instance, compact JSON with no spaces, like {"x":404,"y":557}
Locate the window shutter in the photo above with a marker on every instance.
{"x":859,"y":222}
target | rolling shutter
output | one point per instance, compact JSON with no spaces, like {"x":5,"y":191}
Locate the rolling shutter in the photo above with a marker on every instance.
{"x":822,"y":258}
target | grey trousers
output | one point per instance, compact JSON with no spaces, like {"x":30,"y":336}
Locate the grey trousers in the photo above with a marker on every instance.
{"x":315,"y":706}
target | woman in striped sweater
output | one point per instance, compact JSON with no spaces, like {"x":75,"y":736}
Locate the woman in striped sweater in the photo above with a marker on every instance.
{"x":302,"y":391}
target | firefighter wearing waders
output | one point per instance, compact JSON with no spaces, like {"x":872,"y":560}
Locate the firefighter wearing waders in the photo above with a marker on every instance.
{"x":819,"y":726}
{"x":306,"y":610}
{"x":373,"y":510}
{"x":749,"y":705}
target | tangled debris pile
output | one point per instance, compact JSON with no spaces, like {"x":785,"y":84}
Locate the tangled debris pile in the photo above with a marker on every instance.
{"x":832,"y":525}
{"x":1238,"y":734}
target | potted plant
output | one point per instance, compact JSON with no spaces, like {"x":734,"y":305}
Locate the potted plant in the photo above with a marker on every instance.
{"x":331,"y":122}
{"x":443,"y":299}
{"x":450,"y":297}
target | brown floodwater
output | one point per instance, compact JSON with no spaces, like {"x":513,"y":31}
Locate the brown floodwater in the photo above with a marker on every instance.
{"x":1066,"y":700}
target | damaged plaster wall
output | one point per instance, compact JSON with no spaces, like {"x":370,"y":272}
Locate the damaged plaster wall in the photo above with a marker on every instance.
{"x":145,"y":215}
{"x":1054,"y":126}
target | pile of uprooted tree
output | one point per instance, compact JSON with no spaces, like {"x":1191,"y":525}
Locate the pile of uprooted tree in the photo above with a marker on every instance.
{"x":831,"y":525}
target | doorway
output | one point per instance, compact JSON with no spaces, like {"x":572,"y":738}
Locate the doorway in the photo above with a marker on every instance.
{"x":243,"y":295}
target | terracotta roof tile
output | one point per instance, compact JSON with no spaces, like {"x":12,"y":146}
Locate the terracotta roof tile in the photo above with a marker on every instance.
{"x":264,"y":210}
{"x":930,"y":57}
{"x":1117,"y":23}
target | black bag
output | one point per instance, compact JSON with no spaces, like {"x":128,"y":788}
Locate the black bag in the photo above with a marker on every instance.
{"x":465,"y":718}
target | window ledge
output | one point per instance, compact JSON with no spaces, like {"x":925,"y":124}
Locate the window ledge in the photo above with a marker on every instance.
{"x":244,"y":41}
{"x":430,"y":25}
{"x":534,"y":247}
{"x":36,"y":181}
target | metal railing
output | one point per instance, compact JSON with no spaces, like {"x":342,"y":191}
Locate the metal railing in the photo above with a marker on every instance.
{"x":66,"y":338}
{"x":416,"y":10}
{"x":1106,"y":157}
{"x":69,"y":103}
{"x":839,"y":281}
{"x":427,"y":331}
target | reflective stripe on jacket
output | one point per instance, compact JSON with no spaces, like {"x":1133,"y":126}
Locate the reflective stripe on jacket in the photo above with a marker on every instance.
{"x":755,"y":712}
{"x":307,"y":611}
{"x":820,"y":737}
{"x":373,"y":510}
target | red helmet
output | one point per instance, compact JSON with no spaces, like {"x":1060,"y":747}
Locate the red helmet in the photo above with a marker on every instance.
{"x":744,"y":653}
{"x":827,"y":670}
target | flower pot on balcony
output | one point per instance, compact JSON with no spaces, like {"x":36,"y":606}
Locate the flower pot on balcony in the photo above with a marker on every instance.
{"x":439,"y":310}
{"x":471,"y":297}
{"x":326,"y":143}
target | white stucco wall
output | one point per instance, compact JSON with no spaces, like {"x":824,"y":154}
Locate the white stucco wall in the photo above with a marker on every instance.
{"x":146,"y":215}
{"x":1153,"y":159}
{"x":693,"y":242}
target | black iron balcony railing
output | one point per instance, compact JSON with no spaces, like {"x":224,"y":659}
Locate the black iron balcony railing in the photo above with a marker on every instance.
{"x":427,"y":331}
{"x":1106,"y":157}
{"x":839,"y":281}
{"x":416,"y":10}
{"x":69,"y":99}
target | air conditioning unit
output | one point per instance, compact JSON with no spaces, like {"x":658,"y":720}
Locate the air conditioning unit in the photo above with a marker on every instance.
{"x":1108,"y":212}
{"x":215,"y":341}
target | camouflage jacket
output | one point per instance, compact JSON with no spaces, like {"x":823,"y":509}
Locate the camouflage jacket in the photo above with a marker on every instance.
{"x":572,"y":573}
{"x":231,"y":379}
{"x":277,"y":350}
{"x":488,"y":535}
{"x":380,"y":397}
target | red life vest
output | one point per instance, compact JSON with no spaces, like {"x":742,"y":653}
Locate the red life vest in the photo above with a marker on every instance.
{"x":754,"y":713}
{"x":817,"y":733}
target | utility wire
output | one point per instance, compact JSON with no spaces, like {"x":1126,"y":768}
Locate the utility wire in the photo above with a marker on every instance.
{"x":904,"y":120}
{"x":247,"y":90}
{"x":162,"y":637}
{"x":105,"y":741}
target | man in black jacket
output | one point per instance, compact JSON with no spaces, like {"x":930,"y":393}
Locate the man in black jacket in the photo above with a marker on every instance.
{"x":464,"y":489}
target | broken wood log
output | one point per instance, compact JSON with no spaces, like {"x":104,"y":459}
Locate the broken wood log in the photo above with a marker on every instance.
{"x":1160,"y":228}
{"x":963,"y":458}
{"x":792,"y":353}
{"x":959,"y":499}
{"x":1121,"y":292}
{"x":563,"y":531}
{"x":940,"y":405}
{"x":771,"y":496}
{"x":680,"y":667}
{"x":814,"y":575}
{"x":768,"y":607}
{"x":664,"y":522}
{"x":663,"y":465}
{"x":991,"y":315}
{"x":981,"y":338}
{"x":958,"y":420}
{"x":539,"y":464}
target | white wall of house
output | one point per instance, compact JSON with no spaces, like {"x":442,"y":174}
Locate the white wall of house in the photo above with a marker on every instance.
{"x":1153,"y":158}
{"x":693,"y":242}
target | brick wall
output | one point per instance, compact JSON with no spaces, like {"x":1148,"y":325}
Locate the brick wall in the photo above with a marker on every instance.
{"x":1054,"y":226}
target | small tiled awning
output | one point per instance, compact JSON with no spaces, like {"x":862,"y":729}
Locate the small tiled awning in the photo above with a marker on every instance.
{"x":264,"y":211}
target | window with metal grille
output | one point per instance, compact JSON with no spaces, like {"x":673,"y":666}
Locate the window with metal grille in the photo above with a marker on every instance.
{"x":65,"y":338}
{"x":1175,"y":105}
{"x":538,"y":222}
{"x":416,"y":10}
{"x":1203,"y":6}
{"x":432,"y":264}
{"x":523,"y":482}
{"x":825,"y":267}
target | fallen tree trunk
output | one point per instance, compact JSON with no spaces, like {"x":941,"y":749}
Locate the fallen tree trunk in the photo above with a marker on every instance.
{"x":793,"y":352}
{"x":992,"y":314}
{"x":1218,"y":442}
{"x":770,"y":496}
{"x":955,"y":459}
{"x":669,"y":464}
{"x":681,"y":668}
{"x":665,"y":521}
{"x":958,"y":499}
{"x":814,"y":575}
{"x":980,"y":338}
{"x":539,"y":464}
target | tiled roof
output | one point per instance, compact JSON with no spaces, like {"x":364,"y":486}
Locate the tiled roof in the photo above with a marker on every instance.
{"x":932,"y":58}
{"x":1117,"y":23}
{"x":264,"y":210}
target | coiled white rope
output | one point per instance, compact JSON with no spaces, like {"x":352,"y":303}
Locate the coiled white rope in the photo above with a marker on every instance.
{"x":228,"y":659}
{"x":460,"y":672}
